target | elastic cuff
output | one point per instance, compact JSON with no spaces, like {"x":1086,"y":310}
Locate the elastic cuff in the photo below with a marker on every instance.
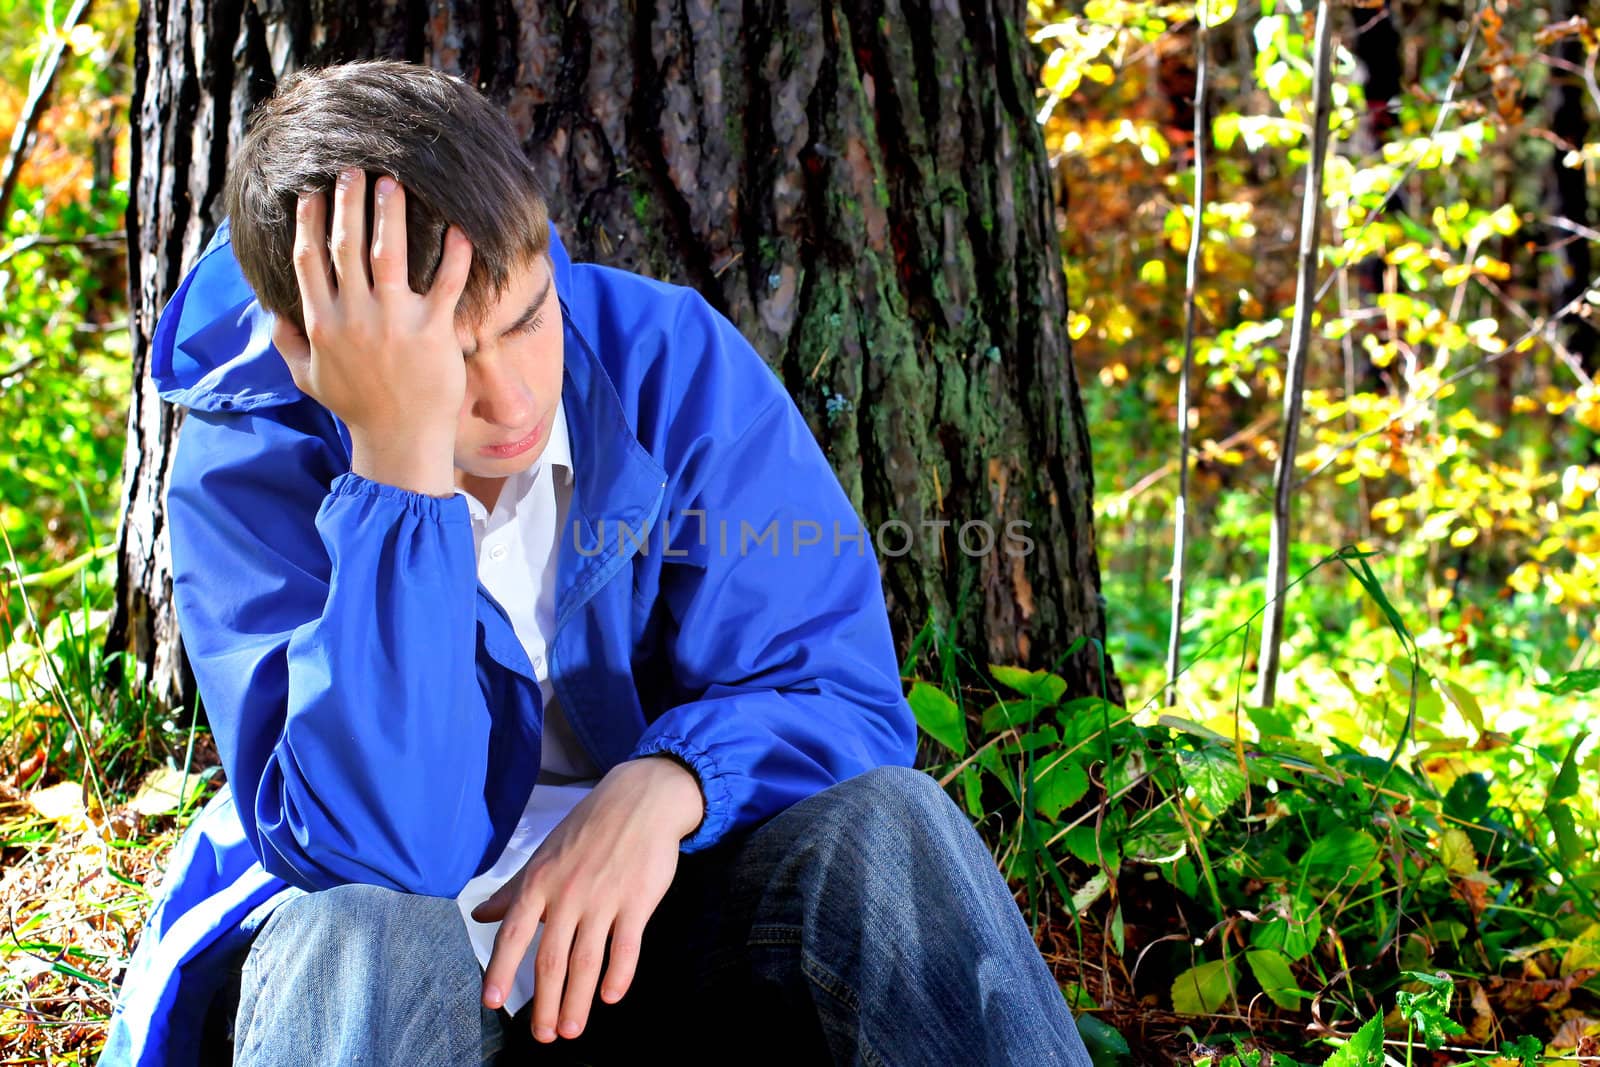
{"x":451,"y":508}
{"x":718,"y":802}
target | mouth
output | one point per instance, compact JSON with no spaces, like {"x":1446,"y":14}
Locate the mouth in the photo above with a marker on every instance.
{"x":515,"y":448}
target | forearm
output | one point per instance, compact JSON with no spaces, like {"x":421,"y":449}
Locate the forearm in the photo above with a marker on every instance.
{"x":335,"y":639}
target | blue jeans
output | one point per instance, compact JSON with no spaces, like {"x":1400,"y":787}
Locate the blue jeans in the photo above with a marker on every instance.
{"x":865,"y":924}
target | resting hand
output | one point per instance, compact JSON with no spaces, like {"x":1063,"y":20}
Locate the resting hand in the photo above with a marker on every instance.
{"x":601,"y":872}
{"x":386,"y":360}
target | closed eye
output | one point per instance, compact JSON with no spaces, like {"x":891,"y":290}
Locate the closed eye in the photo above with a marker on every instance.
{"x":531,"y":326}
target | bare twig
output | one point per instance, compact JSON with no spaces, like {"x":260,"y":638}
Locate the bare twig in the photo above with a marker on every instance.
{"x":1563,"y":353}
{"x":1180,"y":516}
{"x":1411,"y":406}
{"x":109,"y":242}
{"x":1446,"y":105}
{"x":1170,"y":466}
{"x":38,"y":96}
{"x":1299,"y":350}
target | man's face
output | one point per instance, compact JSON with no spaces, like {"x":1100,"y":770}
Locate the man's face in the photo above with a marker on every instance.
{"x":513,"y":378}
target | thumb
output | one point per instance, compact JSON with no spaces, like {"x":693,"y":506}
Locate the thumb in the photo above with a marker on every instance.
{"x":494,"y":909}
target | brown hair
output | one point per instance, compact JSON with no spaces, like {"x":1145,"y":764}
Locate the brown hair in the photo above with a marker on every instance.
{"x":455,"y":153}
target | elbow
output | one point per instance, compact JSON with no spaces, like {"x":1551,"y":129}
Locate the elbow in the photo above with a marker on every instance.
{"x":314,"y":845}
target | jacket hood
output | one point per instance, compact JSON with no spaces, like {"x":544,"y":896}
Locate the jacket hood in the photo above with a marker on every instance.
{"x":212,"y":349}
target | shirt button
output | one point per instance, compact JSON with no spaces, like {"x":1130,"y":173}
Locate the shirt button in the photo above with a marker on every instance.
{"x":497,"y":553}
{"x":538,"y":663}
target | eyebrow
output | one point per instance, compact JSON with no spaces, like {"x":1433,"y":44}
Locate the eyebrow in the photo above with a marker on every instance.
{"x":523,"y":319}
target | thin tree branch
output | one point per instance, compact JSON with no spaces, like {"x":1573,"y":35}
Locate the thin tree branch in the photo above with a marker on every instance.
{"x":22,"y":138}
{"x":1563,"y":353}
{"x":1180,"y":517}
{"x":1128,"y":495}
{"x":107,"y":242}
{"x":1411,"y":406}
{"x":1306,"y":298}
{"x":1446,"y":104}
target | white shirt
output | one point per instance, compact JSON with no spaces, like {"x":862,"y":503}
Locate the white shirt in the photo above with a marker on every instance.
{"x":517,"y":545}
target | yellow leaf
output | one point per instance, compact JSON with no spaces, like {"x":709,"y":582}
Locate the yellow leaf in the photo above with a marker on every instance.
{"x":1525,"y":579}
{"x":1584,"y":952}
{"x":60,"y":802}
{"x":1077,"y":325}
{"x":1505,"y":220}
{"x":1456,"y":274}
{"x":1215,"y":12}
{"x":1498,"y":269}
{"x":1455,"y":849}
{"x":159,"y":792}
{"x":1463,"y":536}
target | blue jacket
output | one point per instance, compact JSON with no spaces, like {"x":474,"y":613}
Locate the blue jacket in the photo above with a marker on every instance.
{"x":378,"y":719}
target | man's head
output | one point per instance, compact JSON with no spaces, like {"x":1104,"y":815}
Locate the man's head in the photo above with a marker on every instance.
{"x":455,"y":152}
{"x":460,"y":164}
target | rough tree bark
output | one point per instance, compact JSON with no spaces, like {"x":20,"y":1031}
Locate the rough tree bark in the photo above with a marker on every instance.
{"x":860,"y":187}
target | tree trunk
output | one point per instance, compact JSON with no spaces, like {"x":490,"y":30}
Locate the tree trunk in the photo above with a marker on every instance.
{"x":861,"y":188}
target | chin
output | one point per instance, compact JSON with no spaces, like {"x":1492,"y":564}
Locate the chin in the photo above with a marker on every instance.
{"x":486,"y":467}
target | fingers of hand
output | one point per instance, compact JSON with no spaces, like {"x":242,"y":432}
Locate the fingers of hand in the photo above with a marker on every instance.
{"x":389,"y":266}
{"x":499,"y":902}
{"x":311,"y":255}
{"x":625,"y":938}
{"x":451,"y":279}
{"x":349,"y":234}
{"x":549,"y":974}
{"x":510,"y":945}
{"x":583,"y":971}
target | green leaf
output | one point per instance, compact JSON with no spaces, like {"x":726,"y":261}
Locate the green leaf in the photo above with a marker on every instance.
{"x":1276,"y":979}
{"x":1060,"y":787}
{"x":972,"y":790}
{"x":1107,"y":1047}
{"x":1215,"y":776}
{"x":1566,"y":831}
{"x":939,"y":716}
{"x":1584,"y":681}
{"x":1566,"y":783}
{"x":1188,"y":726}
{"x":1078,"y":998}
{"x":1456,"y":852}
{"x":1584,"y":952}
{"x":1204,"y":989}
{"x":1428,"y":1009}
{"x":1344,"y":856}
{"x":1084,"y":718}
{"x":1468,"y":799}
{"x":1080,"y":841}
{"x":1294,"y":935}
{"x":1527,"y":1048}
{"x":1090,"y":891}
{"x":1006,"y":714}
{"x":1363,"y":1050}
{"x":1465,"y":703}
{"x":1041,"y":684}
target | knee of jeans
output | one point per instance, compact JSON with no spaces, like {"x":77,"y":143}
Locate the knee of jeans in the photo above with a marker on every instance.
{"x":901,"y":800}
{"x":368,"y":926}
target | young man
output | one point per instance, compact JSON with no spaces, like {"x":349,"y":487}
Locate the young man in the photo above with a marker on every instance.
{"x":551,"y":723}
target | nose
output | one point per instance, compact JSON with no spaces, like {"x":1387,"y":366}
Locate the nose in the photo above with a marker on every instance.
{"x":500,"y":396}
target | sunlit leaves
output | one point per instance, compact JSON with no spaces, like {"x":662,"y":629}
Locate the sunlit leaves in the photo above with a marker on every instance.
{"x":939,"y":716}
{"x":1205,"y":988}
